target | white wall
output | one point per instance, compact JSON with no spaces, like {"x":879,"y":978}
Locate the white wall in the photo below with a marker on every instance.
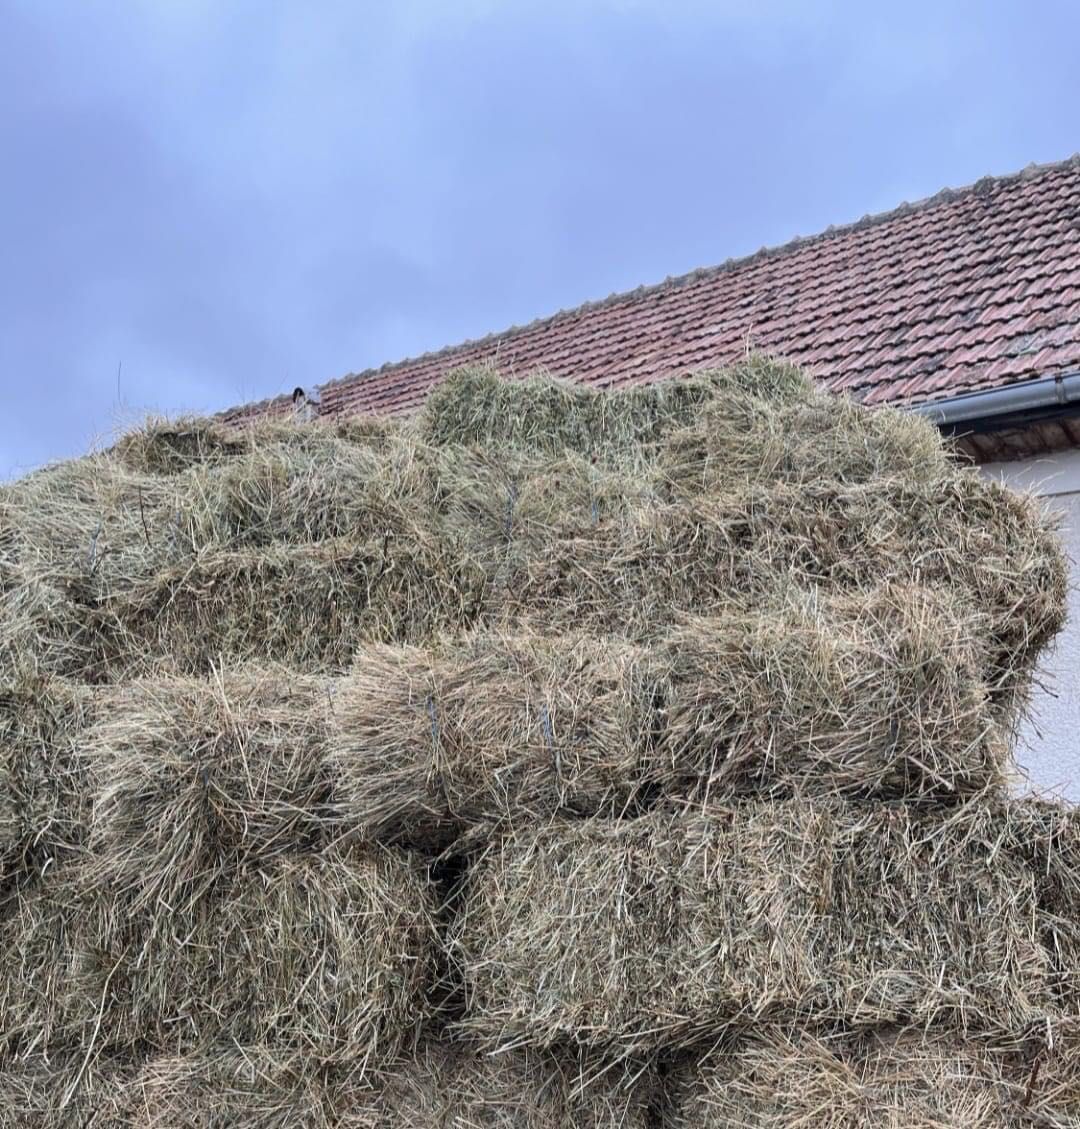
{"x":1049,"y":749}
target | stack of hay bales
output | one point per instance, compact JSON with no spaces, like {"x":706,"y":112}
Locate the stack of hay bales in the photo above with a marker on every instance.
{"x":555,"y":758}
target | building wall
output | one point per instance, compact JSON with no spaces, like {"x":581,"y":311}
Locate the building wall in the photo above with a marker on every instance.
{"x":1049,"y":749}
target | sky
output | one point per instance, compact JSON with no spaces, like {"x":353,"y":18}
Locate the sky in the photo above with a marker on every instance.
{"x":205,"y":202}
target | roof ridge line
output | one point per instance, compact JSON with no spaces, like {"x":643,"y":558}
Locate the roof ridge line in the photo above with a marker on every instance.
{"x":983,"y":186}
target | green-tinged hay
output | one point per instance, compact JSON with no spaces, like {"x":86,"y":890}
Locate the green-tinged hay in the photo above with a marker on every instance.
{"x":197,"y":776}
{"x":426,"y":742}
{"x":766,"y":377}
{"x":506,"y":504}
{"x":289,"y":494}
{"x":90,"y":525}
{"x":662,"y":930}
{"x":63,"y":1092}
{"x":233,"y":1087}
{"x":308,"y":606}
{"x":543,"y":415}
{"x":45,"y":792}
{"x":875,"y":694}
{"x":992,"y":548}
{"x":94,"y":526}
{"x":327,"y":955}
{"x":742,"y":436}
{"x":777,"y":1080}
{"x":444,"y":1085}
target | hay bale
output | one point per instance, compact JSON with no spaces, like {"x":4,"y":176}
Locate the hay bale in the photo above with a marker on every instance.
{"x":309,"y":606}
{"x":780,"y":1079}
{"x":746,"y":435}
{"x":314,"y":486}
{"x":238,"y":1087}
{"x":326,"y":955}
{"x":445,"y":1084}
{"x":503,"y":503}
{"x":42,"y":922}
{"x":44,"y":788}
{"x":163,"y":446}
{"x":95,"y":526}
{"x":879,"y":694}
{"x":538,"y":414}
{"x":426,"y":742}
{"x":62,"y":1092}
{"x":88,"y":521}
{"x":760,"y":420}
{"x":664,"y":929}
{"x":199,"y":776}
{"x":994,"y":549}
{"x":170,"y":447}
{"x":42,"y":630}
{"x":1046,"y":837}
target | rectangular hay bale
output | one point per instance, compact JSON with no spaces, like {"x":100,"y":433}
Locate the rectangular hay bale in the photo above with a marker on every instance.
{"x":427,"y":742}
{"x":672,"y":927}
{"x":891,"y":1080}
{"x":196,"y":776}
{"x":309,"y":606}
{"x":328,"y":955}
{"x":993,"y":550}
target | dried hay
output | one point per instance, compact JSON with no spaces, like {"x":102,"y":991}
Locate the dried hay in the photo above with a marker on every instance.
{"x":760,"y":420}
{"x":63,"y":1092}
{"x":326,"y":955}
{"x":743,"y":436}
{"x":198,"y":776}
{"x":427,"y":742}
{"x":671,"y":927}
{"x":42,"y":630}
{"x":314,"y":487}
{"x":992,"y":548}
{"x":44,"y":790}
{"x":88,"y":525}
{"x":171,"y":446}
{"x":879,"y":694}
{"x":96,"y":526}
{"x":443,"y":1085}
{"x":234,"y":1087}
{"x":43,"y":918}
{"x":309,"y":606}
{"x":505,"y":504}
{"x":1046,"y":836}
{"x":538,"y":414}
{"x":779,"y":1080}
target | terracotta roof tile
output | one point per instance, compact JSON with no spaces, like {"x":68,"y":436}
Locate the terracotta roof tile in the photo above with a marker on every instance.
{"x":970,"y":289}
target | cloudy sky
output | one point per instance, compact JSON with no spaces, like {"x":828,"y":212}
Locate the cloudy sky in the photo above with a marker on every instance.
{"x":203,"y":202}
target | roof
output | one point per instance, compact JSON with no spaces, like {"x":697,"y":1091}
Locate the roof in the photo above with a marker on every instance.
{"x":968,"y":290}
